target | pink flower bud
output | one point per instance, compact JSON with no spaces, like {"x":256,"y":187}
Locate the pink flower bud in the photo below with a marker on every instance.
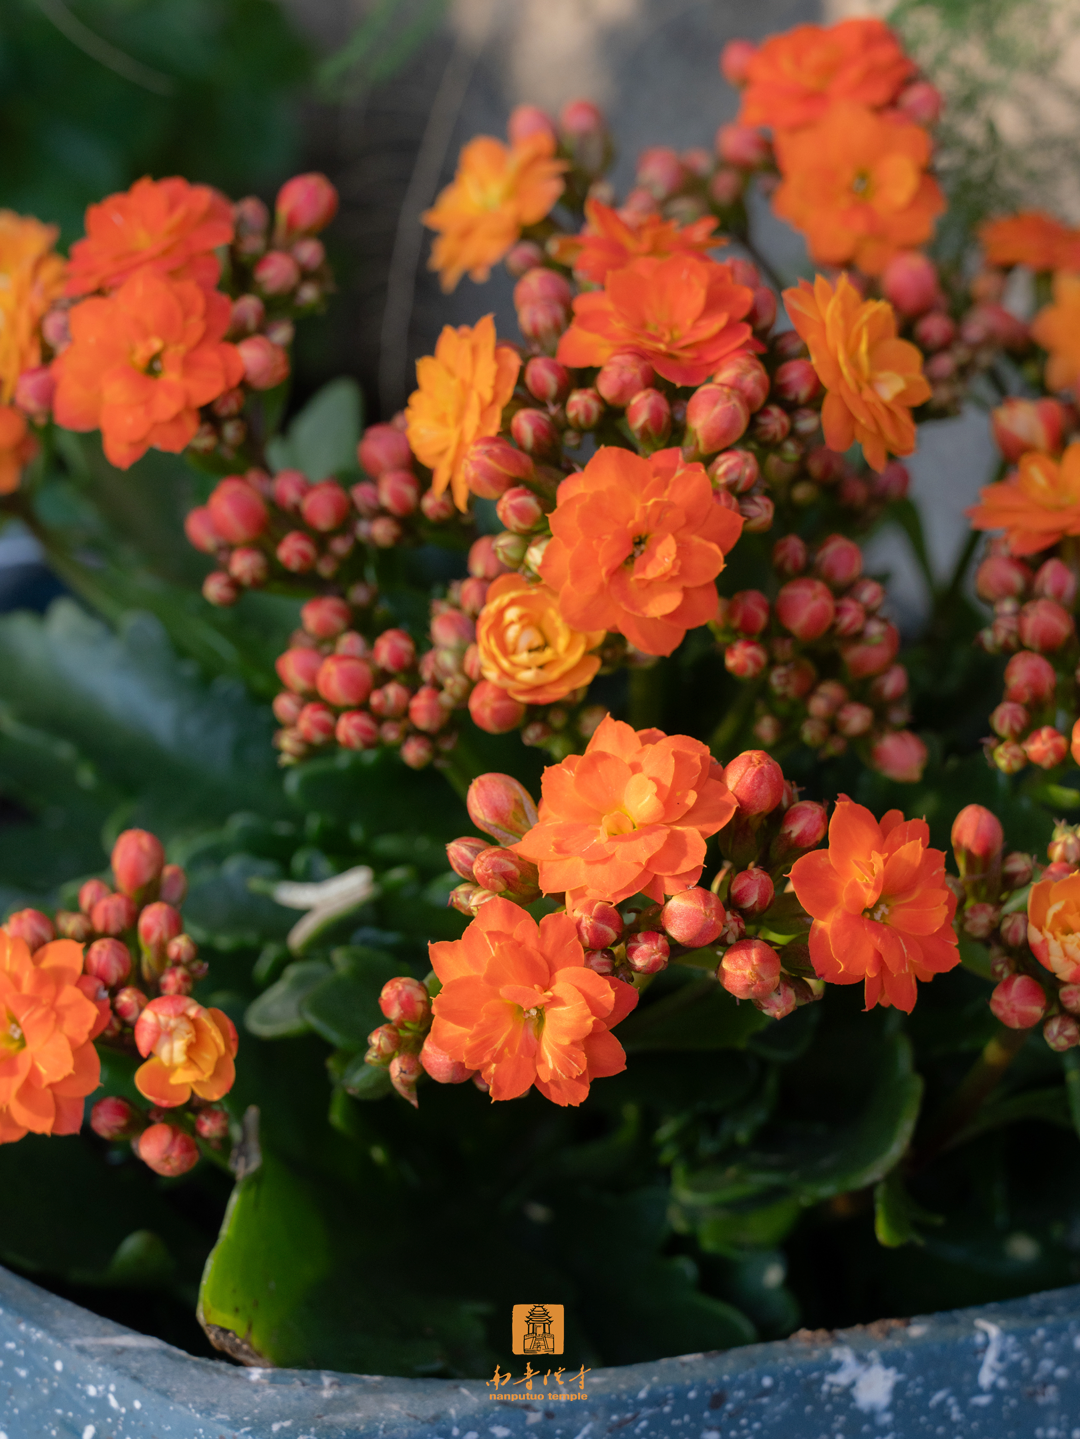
{"x":440,"y":1067}
{"x":585,"y":135}
{"x":752,"y":891}
{"x":31,"y":926}
{"x":70,"y":924}
{"x":297,"y":669}
{"x":391,"y":701}
{"x":735,"y":60}
{"x":384,"y":532}
{"x":404,"y":1001}
{"x":745,"y":659}
{"x":462,"y":853}
{"x":757,"y":512}
{"x":735,"y":470}
{"x":266,"y":365}
{"x":344,"y":681}
{"x":803,"y":827}
{"x":384,"y":447}
{"x":468,"y":898}
{"x":792,"y":680}
{"x":1045,"y":625}
{"x":248,"y":567}
{"x":310,"y":255}
{"x":182,"y":950}
{"x":1002,"y":577}
{"x":1016,"y":870}
{"x":325,"y":506}
{"x":175,"y":980}
{"x":772,"y":425}
{"x":547,"y":380}
{"x":325,"y":617}
{"x":1021,"y":425}
{"x":874,"y":653}
{"x":128,"y":1004}
{"x":827,"y":699}
{"x":305,"y":205}
{"x":108,"y":960}
{"x":492,"y":465}
{"x":212,"y":1125}
{"x":399,"y":492}
{"x":1069,"y":998}
{"x":427,"y":710}
{"x":750,"y":969}
{"x":756,"y":781}
{"x":166,"y":1150}
{"x":493,"y":710}
{"x":934,"y":331}
{"x":743,"y":146}
{"x":1009,"y":720}
{"x":1046,"y":747}
{"x":1029,"y":679}
{"x":524,"y":256}
{"x":921,"y":102}
{"x":899,"y":755}
{"x":172,"y":887}
{"x":762,"y":314}
{"x":910,"y":283}
{"x":850,"y":617}
{"x":747,"y":612}
{"x":693,"y":918}
{"x":503,"y":872}
{"x":1013,"y":933}
{"x":542,"y":284}
{"x":780,"y":1003}
{"x":1019,"y":1002}
{"x":519,"y":510}
{"x":316,"y":724}
{"x":647,"y":952}
{"x":115,"y":1118}
{"x":501,"y":806}
{"x":1009,"y":757}
{"x":660,"y":171}
{"x":622,"y":377}
{"x":1061,"y":1032}
{"x":980,"y":920}
{"x":599,"y":925}
{"x":114,"y":914}
{"x":452,"y":629}
{"x":796,"y":382}
{"x":528,"y":120}
{"x":806,"y":608}
{"x":200,"y":531}
{"x":394,"y":651}
{"x":1054,"y":580}
{"x":277,"y":273}
{"x":649,"y":417}
{"x":838,"y":561}
{"x":237,"y":511}
{"x":405,"y":1071}
{"x":746,"y":375}
{"x":248,"y":315}
{"x":437,"y":508}
{"x":535,"y":432}
{"x":716,"y":416}
{"x":790,"y":556}
{"x":34,"y":390}
{"x":853,"y":719}
{"x":584,"y":408}
{"x":297,"y":552}
{"x":356,"y":729}
{"x":158,"y":924}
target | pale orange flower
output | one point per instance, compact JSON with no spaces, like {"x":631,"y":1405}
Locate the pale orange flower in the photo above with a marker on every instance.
{"x":497,"y":191}
{"x":631,"y":815}
{"x":1057,"y":329}
{"x":519,"y":1005}
{"x":794,"y":78}
{"x":47,"y":1061}
{"x":527,"y":648}
{"x":186,"y":1048}
{"x":882,"y":911}
{"x":609,"y":241}
{"x":1036,"y":506}
{"x":872,"y":378}
{"x":17,"y":447}
{"x":1031,"y":238}
{"x":856,"y":185}
{"x":460,"y":395}
{"x":31,"y":278}
{"x":1054,"y":926}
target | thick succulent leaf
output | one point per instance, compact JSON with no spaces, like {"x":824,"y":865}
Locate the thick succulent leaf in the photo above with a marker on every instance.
{"x":322,"y":439}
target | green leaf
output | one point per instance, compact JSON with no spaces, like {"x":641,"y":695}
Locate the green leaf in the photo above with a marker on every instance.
{"x":344,"y":1007}
{"x":322,"y":439}
{"x":276,"y":1013}
{"x":223,"y":909}
{"x":366,"y":1081}
{"x":699,"y":1016}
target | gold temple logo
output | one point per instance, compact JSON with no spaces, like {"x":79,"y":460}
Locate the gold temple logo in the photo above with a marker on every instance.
{"x":537,"y":1329}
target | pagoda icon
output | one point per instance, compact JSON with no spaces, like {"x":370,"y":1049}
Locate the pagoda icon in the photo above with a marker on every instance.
{"x":538,"y":1336}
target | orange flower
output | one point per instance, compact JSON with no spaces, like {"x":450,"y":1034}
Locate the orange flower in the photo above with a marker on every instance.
{"x":17,"y":447}
{"x":1057,"y":329}
{"x":47,"y":1062}
{"x":190,"y":1048}
{"x":461,"y":392}
{"x":637,"y":545}
{"x":609,"y":241}
{"x":872,"y":378}
{"x":681,"y":314}
{"x":1031,"y":238}
{"x":31,"y":278}
{"x":142,"y":361}
{"x":856,"y":185}
{"x":168,"y":225}
{"x":881,"y":908}
{"x":795,"y":78}
{"x":631,"y":815}
{"x":497,"y":191}
{"x":527,"y":648}
{"x":1054,"y":926}
{"x":519,"y":1005}
{"x":1037,"y":506}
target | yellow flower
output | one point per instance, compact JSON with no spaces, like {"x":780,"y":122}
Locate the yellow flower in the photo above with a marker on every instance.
{"x":527,"y":648}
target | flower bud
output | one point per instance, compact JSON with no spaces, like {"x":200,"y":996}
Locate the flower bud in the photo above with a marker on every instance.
{"x":114,"y":914}
{"x":1046,"y":747}
{"x":750,"y":969}
{"x":806,"y":608}
{"x":493,"y":710}
{"x":542,"y":301}
{"x":1045,"y":626}
{"x":1061,"y":1032}
{"x":266,"y":365}
{"x":757,"y":512}
{"x":781,"y":1002}
{"x":310,"y":255}
{"x":501,"y":806}
{"x":237,"y":511}
{"x":128,"y":1004}
{"x":297,"y":552}
{"x":1019,"y":1001}
{"x":745,"y":659}
{"x":404,"y":1001}
{"x":166,"y":1150}
{"x":796,"y":382}
{"x":108,"y":960}
{"x":921,"y":102}
{"x":200,"y":531}
{"x":735,"y":60}
{"x":977,"y":841}
{"x":394,"y":651}
{"x":158,"y":924}
{"x":31,"y":926}
{"x":660,"y":171}
{"x":585,"y":136}
{"x":492,"y":465}
{"x":383,"y":447}
{"x":277,"y":273}
{"x":756,"y":781}
{"x":462,"y":853}
{"x":440,"y":1067}
{"x":1013,"y":932}
{"x":427,"y":710}
{"x":838,"y":561}
{"x":344,"y":681}
{"x":735,"y":471}
{"x":1008,"y":757}
{"x":910,"y":283}
{"x":1069,"y":998}
{"x":874,"y":653}
{"x":1054,"y":580}
{"x":391,"y":700}
{"x":114,"y":1118}
{"x":305,"y":205}
{"x":325,"y":617}
{"x":1016,"y":870}
{"x":399,"y":492}
{"x":853,"y":720}
{"x":356,"y":729}
{"x":743,"y":146}
{"x":547,"y":380}
{"x":212,"y":1125}
{"x":584,"y":408}
{"x":899,"y":755}
{"x":693,"y":918}
{"x":599,"y":925}
{"x":1020,"y":425}
{"x":850,"y":617}
{"x":980,"y":920}
{"x":771,"y":425}
{"x":535,"y":432}
{"x":1029,"y":679}
{"x":34,"y":390}
{"x":751,"y":891}
{"x":803,"y":827}
{"x":647,"y":952}
{"x":503,"y":872}
{"x":175,"y":980}
{"x":405,"y":1071}
{"x":622,"y":377}
{"x":1001,"y":577}
{"x":248,"y":567}
{"x":602,"y":961}
{"x":297,"y":669}
{"x":934,"y":331}
{"x":716,"y":416}
{"x":70,"y":924}
{"x":648,"y":416}
{"x":520,"y":511}
{"x":746,"y":375}
{"x":747,"y":612}
{"x":316,"y":724}
{"x":325,"y":506}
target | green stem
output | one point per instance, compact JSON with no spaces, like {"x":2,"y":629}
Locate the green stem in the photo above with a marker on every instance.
{"x":977,"y":1085}
{"x":735,"y":718}
{"x":647,"y":696}
{"x":1071,"y":1060}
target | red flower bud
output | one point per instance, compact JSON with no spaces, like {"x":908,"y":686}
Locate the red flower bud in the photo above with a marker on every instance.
{"x":789,"y":555}
{"x":200,"y":531}
{"x":827,"y":699}
{"x":114,"y":914}
{"x":1021,"y":425}
{"x":716,"y":416}
{"x":806,"y":608}
{"x":399,"y":492}
{"x":622,"y":377}
{"x":462,"y":853}
{"x":838,"y":561}
{"x":850,"y":617}
{"x":899,"y":755}
{"x":745,"y":659}
{"x":585,"y":135}
{"x":325,"y":617}
{"x":910,"y":283}
{"x":743,"y":146}
{"x":297,"y":669}
{"x":384,"y":532}
{"x":648,"y":416}
{"x":1054,"y":580}
{"x":780,"y":1003}
{"x":212,"y":1124}
{"x":796,"y":382}
{"x":137,"y":860}
{"x":1069,"y":997}
{"x":182,"y":950}
{"x":547,"y":380}
{"x":647,"y":952}
{"x":310,"y":255}
{"x":237,"y":511}
{"x":344,"y":681}
{"x":853,"y":720}
{"x":599,"y":925}
{"x":1009,"y":720}
{"x":492,"y":465}
{"x":305,"y":205}
{"x":757,"y":512}
{"x":166,"y":1150}
{"x":519,"y":510}
{"x":316,"y":724}
{"x":158,"y":924}
{"x":248,"y":314}
{"x":735,"y":60}
{"x":503,"y":872}
{"x":266,"y":365}
{"x":297,"y":552}
{"x":108,"y":960}
{"x":803,"y":827}
{"x":394,"y":651}
{"x":277,"y":273}
{"x":747,"y":612}
{"x":542,"y":284}
{"x":391,"y":700}
{"x":384,"y":447}
{"x":427,"y":710}
{"x":752,"y":891}
{"x":977,"y":840}
{"x":1045,"y":626}
{"x":1046,"y":747}
{"x":175,"y":980}
{"x":1019,"y":1001}
{"x":248,"y":567}
{"x":660,"y":171}
{"x":735,"y":471}
{"x":750,"y":969}
{"x":746,"y":375}
{"x":584,"y":408}
{"x":404,"y":1001}
{"x":128,"y":1004}
{"x":31,"y":926}
{"x":356,"y":729}
{"x":693,"y":918}
{"x":756,"y":781}
{"x":934,"y":331}
{"x":874,"y":653}
{"x":70,"y":924}
{"x":1061,"y":1032}
{"x":325,"y":506}
{"x":1029,"y":679}
{"x":172,"y":887}
{"x":115,"y":1118}
{"x":405,"y":1071}
{"x":921,"y":102}
{"x":528,"y":120}
{"x":501,"y":806}
{"x":34,"y":390}
{"x":442,"y":1069}
{"x":1002,"y":577}
{"x":493,"y":710}
{"x":772,"y":425}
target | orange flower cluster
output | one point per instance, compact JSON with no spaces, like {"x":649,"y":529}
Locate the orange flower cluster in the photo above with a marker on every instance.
{"x":631,"y":815}
{"x":1054,"y":926}
{"x":1031,"y":238}
{"x":796,"y":78}
{"x":527,"y":648}
{"x":637,"y":545}
{"x":187,"y":1048}
{"x":683,"y":314}
{"x":882,"y":911}
{"x":498,"y":191}
{"x":1057,"y":329}
{"x":610,"y":241}
{"x":872,"y":378}
{"x":47,"y":1061}
{"x":461,"y":392}
{"x":1037,"y":506}
{"x":17,"y":447}
{"x":518,"y":1004}
{"x":31,"y":278}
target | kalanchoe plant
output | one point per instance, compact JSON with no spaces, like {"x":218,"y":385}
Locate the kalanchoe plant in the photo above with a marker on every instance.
{"x":601,"y":587}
